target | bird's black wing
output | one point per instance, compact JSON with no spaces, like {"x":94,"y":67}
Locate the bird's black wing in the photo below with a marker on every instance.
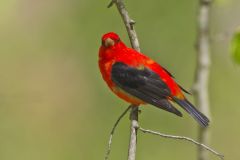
{"x":144,"y":84}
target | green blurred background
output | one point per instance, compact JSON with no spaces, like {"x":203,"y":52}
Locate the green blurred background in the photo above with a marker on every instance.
{"x":54,"y":104}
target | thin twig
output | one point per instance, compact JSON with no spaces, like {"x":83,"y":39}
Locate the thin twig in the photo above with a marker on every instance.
{"x":183,"y":138}
{"x":129,"y":24}
{"x":112,"y":132}
{"x":200,"y":87}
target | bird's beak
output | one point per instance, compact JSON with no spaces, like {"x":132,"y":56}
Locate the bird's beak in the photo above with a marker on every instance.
{"x":108,"y":42}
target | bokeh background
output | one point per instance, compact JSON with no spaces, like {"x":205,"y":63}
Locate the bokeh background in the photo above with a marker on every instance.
{"x":54,"y":104}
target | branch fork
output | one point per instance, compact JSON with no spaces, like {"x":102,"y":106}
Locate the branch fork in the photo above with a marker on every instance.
{"x":135,"y":126}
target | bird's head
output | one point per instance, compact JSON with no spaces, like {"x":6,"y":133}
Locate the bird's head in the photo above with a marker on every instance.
{"x":110,"y":40}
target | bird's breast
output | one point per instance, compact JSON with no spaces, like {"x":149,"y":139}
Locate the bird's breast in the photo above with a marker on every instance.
{"x":126,"y":96}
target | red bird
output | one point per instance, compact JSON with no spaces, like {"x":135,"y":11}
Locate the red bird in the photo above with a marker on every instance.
{"x":138,"y":79}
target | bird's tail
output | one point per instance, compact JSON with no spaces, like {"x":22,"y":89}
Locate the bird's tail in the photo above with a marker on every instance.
{"x":198,"y":116}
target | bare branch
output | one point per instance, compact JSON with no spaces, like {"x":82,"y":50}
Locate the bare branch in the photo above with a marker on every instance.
{"x":200,"y":87}
{"x":183,"y":138}
{"x":112,"y":132}
{"x":133,"y":135}
{"x":129,"y":24}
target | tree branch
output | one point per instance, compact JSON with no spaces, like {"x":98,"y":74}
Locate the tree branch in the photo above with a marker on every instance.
{"x":128,"y":23}
{"x":135,"y":45}
{"x":112,"y":132}
{"x":200,"y":87}
{"x":200,"y":145}
{"x":133,"y":135}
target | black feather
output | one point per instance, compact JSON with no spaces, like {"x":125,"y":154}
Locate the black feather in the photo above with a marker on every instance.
{"x":143,"y":84}
{"x":184,"y":90}
{"x":170,"y":74}
{"x":166,"y":104}
{"x":198,"y":116}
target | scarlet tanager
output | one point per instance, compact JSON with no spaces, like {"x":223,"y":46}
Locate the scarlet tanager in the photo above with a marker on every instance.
{"x":138,"y":79}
